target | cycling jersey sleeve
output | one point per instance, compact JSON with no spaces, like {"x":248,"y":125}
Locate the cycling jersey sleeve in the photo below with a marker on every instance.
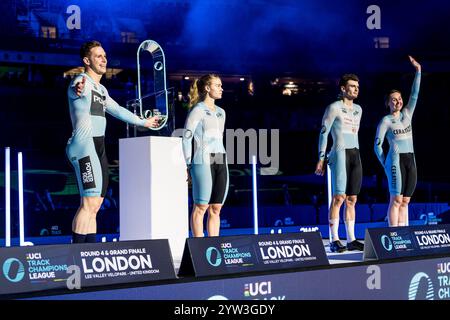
{"x":113,"y":108}
{"x":327,"y":123}
{"x":192,"y":121}
{"x":379,"y":139}
{"x":409,"y":108}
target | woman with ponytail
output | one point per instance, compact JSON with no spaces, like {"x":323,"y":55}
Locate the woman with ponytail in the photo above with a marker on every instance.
{"x":399,"y":164}
{"x":205,"y":154}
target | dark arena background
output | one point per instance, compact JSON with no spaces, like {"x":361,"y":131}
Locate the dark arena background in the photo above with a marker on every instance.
{"x":280,"y":62}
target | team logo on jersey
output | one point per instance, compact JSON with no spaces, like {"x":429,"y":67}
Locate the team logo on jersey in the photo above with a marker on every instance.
{"x":98,"y":104}
{"x":402,"y":131}
{"x":343,"y":110}
{"x":208,"y":113}
{"x":218,"y":115}
{"x":394,"y":176}
{"x":87,"y":173}
{"x":356,"y":113}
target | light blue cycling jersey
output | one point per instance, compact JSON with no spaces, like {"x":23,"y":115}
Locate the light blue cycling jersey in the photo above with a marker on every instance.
{"x":398,"y":131}
{"x":85,"y":149}
{"x":206,"y":127}
{"x":343,"y":122}
{"x":88,"y":111}
{"x":207,"y":162}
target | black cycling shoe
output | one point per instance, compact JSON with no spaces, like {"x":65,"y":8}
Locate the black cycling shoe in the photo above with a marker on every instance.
{"x":337,"y":246}
{"x":355,"y":245}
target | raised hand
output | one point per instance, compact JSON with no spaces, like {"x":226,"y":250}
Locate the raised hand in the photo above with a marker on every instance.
{"x":415,"y":64}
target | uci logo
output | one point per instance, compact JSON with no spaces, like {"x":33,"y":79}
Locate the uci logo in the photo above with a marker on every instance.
{"x":386,"y":242}
{"x":414,"y":286}
{"x":13,"y":270}
{"x":258,"y":288}
{"x":213,"y":256}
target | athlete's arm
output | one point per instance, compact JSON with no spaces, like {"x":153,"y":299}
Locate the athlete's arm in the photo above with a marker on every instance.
{"x":409,"y":108}
{"x":113,"y":108}
{"x":192,"y":121}
{"x":224,"y":118}
{"x":379,"y":139}
{"x":327,"y":122}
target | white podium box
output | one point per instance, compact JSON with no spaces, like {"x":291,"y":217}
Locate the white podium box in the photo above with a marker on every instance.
{"x":154,"y":191}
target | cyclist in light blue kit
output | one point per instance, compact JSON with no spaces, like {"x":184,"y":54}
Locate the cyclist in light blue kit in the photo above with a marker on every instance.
{"x":342,"y":119}
{"x":399,"y":164}
{"x":88,"y":101}
{"x":205,"y":154}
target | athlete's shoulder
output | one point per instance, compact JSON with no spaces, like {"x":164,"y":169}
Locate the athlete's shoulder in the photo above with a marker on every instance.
{"x":198,"y":107}
{"x":335,"y":105}
{"x":333,"y":108}
{"x":220,"y":110}
{"x":357,"y":107}
{"x":196,"y":110}
{"x":386,"y":120}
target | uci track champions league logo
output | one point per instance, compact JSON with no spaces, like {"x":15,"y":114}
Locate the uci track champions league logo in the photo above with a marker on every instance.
{"x":386,"y":242}
{"x":13,"y":270}
{"x":213,"y":257}
{"x":40,"y":269}
{"x":400,"y":241}
{"x":418,"y":282}
{"x":229,"y":255}
{"x":422,"y":286}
